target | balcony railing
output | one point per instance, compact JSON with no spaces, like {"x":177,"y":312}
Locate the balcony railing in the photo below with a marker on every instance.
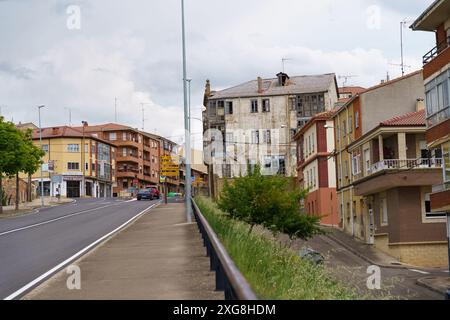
{"x":433,"y":53}
{"x":438,"y":117}
{"x":397,"y":164}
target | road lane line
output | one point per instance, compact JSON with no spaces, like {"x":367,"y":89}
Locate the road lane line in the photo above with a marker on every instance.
{"x":75,"y":256}
{"x":55,"y":219}
{"x":419,"y":271}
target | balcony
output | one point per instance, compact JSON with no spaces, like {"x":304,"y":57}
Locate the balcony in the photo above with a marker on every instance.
{"x":405,"y":164}
{"x":435,"y":59}
{"x":127,"y":158}
{"x":433,"y":53}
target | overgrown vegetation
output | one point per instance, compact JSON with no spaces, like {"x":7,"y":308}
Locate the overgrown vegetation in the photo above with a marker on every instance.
{"x":268,"y":201}
{"x":273,"y":272}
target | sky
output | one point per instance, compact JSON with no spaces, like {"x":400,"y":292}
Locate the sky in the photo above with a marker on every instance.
{"x":77,"y":57}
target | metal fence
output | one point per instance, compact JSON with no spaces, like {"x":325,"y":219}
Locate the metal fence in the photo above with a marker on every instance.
{"x":228,"y":277}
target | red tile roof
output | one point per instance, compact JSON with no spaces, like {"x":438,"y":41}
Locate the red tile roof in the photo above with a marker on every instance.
{"x":416,"y":118}
{"x":64,"y":131}
{"x":352,"y":90}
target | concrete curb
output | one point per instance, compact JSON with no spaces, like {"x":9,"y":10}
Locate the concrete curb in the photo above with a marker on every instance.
{"x":421,"y":283}
{"x":365,"y":258}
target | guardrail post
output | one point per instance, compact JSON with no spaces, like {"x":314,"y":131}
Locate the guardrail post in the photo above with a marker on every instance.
{"x":219,"y":278}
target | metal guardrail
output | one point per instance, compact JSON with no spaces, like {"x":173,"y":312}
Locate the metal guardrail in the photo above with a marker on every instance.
{"x":433,"y":53}
{"x":228,"y":278}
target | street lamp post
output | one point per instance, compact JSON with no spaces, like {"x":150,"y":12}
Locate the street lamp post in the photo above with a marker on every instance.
{"x":83,"y":162}
{"x":187,"y":135}
{"x":40,"y":141}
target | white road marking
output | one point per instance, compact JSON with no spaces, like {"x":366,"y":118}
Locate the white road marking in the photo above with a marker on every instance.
{"x":56,"y":219}
{"x":419,"y":271}
{"x":75,"y":256}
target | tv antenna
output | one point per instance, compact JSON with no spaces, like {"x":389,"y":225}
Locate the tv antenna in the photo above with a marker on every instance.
{"x":346,"y":77}
{"x":403,"y":23}
{"x":283,"y":60}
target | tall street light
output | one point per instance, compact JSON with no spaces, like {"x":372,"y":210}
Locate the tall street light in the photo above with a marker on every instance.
{"x":187,"y":135}
{"x":40,"y":141}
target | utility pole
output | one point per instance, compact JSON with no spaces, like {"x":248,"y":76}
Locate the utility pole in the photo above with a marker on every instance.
{"x":186,"y":125}
{"x":83,"y":162}
{"x":401,"y":47}
{"x":70,"y":116}
{"x":283,"y":60}
{"x":40,"y":141}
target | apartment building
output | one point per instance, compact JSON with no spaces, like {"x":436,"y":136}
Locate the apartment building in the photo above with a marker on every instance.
{"x":255,"y":122}
{"x":392,"y":174}
{"x":76,"y":163}
{"x":316,"y":167}
{"x":359,"y":115}
{"x":436,"y":77}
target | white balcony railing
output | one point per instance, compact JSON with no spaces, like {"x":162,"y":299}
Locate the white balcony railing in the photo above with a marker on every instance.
{"x":397,"y":164}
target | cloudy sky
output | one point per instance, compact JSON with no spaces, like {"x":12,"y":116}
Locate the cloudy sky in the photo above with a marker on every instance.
{"x":132,"y":50}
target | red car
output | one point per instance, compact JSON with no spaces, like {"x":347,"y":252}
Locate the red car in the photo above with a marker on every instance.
{"x":149,"y":193}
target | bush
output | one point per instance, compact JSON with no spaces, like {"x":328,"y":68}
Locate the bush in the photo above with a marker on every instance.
{"x":266,"y":200}
{"x":271,"y":271}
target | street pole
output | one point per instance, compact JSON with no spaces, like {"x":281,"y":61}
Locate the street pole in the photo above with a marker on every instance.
{"x":40,"y":141}
{"x":187,"y":135}
{"x":83,"y":157}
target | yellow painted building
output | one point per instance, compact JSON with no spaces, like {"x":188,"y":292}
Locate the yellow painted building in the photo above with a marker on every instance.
{"x":76,"y":164}
{"x":349,"y":206}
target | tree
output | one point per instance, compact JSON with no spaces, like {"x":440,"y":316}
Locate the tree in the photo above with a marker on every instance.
{"x":30,"y":162}
{"x":17,"y":154}
{"x":269,"y":201}
{"x":11,"y":152}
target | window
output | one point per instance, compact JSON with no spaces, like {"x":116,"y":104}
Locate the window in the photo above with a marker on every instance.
{"x":355,"y":164}
{"x":313,"y":142}
{"x":212,"y":110}
{"x":437,"y":96}
{"x":254,"y":106}
{"x":357,"y":119}
{"x":430,"y":214}
{"x":266,"y":137}
{"x":86,"y":148}
{"x":124,"y":152}
{"x":229,"y":138}
{"x":293,"y":133}
{"x":338,"y":133}
{"x":73,"y":166}
{"x":93,"y":167}
{"x":314,"y":177}
{"x":45,"y":148}
{"x":255,"y":136}
{"x":367,"y":160}
{"x":301,"y":123}
{"x":266,"y":105}
{"x":73,"y":148}
{"x":350,"y":124}
{"x":229,"y":107}
{"x":87,"y":166}
{"x":112,"y":136}
{"x":344,"y":128}
{"x":446,"y":161}
{"x":383,"y":212}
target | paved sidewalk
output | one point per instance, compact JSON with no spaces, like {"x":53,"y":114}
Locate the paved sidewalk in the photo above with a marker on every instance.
{"x":28,"y":207}
{"x":364,"y":251}
{"x":157,"y":257}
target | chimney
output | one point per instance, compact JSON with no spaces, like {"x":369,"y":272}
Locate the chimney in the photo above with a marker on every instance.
{"x":282,"y":79}
{"x":208,"y":88}
{"x":55,"y":130}
{"x":420,"y":105}
{"x":260,"y":85}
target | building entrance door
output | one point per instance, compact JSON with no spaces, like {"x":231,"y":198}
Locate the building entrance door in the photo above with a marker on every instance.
{"x":73,"y":189}
{"x":371,"y":237}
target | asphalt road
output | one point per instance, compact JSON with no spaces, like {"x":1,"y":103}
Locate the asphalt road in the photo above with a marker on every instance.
{"x":33,"y":244}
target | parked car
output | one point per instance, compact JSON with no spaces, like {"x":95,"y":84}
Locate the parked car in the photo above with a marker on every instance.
{"x":311,"y":255}
{"x":148,"y":193}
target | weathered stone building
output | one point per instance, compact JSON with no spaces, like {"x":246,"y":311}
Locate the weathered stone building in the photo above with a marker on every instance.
{"x":255,"y":122}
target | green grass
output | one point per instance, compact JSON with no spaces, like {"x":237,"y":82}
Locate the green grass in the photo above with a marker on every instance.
{"x":273,"y":272}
